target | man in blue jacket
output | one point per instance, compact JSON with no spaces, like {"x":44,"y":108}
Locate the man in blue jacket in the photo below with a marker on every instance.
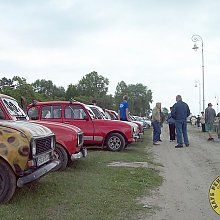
{"x":180,"y":112}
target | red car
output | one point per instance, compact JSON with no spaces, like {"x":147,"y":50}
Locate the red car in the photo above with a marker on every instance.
{"x":114,"y":135}
{"x":69,"y":139}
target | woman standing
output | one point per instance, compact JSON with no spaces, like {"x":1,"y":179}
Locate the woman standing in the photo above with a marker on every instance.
{"x":202,"y":120}
{"x":172,"y":127}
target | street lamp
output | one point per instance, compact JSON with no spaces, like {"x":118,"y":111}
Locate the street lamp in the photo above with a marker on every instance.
{"x":196,"y":38}
{"x":217,"y":101}
{"x":197,"y":84}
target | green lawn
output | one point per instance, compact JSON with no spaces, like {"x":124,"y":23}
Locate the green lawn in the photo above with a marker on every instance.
{"x":89,"y":189}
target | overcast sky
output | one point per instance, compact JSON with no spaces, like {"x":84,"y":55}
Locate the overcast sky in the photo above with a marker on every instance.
{"x":138,"y":41}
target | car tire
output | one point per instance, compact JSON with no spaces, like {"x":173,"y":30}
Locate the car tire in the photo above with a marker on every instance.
{"x":61,"y":154}
{"x":7,"y":182}
{"x":115,"y":142}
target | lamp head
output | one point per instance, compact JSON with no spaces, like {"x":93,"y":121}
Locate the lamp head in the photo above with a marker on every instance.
{"x":195,"y":47}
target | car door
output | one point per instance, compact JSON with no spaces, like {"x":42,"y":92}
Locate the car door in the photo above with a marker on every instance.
{"x":77,"y":115}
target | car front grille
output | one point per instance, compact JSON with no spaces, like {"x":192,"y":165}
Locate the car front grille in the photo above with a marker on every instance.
{"x":43,"y":145}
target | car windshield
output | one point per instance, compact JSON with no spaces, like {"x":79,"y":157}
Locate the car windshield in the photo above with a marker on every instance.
{"x":92,"y":115}
{"x":13,"y":107}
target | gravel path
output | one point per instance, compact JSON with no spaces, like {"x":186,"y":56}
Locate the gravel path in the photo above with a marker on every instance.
{"x":188,"y":173}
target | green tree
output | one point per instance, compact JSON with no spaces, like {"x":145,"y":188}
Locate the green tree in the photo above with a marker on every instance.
{"x":46,"y":90}
{"x":43,"y":87}
{"x":4,"y":82}
{"x":121,"y":90}
{"x":139,"y":97}
{"x":16,"y":88}
{"x":93,"y":85}
{"x":23,"y":89}
{"x":71,"y":92}
{"x":107,"y":102}
{"x":6,"y":86}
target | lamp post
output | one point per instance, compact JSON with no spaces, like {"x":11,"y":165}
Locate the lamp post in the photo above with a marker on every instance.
{"x":217,"y":101}
{"x":197,"y":84}
{"x":196,"y":38}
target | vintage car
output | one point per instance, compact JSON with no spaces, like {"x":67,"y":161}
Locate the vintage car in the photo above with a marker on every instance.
{"x":104,"y":114}
{"x":113,"y":115}
{"x":69,"y":139}
{"x":114,"y":135}
{"x":26,"y":154}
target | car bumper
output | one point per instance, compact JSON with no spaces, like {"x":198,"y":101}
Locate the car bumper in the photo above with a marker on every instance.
{"x":141,"y":135}
{"x":82,"y":153}
{"x":131,"y":140}
{"x":135,"y":136}
{"x":38,"y":173}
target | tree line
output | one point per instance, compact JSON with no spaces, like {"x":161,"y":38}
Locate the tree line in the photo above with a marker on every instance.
{"x":91,"y":87}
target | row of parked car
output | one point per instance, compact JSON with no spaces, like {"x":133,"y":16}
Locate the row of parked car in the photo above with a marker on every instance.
{"x":45,"y":136}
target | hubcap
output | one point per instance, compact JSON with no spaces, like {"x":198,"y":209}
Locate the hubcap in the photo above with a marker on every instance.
{"x":114,"y":143}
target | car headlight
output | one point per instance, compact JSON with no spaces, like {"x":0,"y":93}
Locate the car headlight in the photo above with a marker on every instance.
{"x":34,"y":148}
{"x":53,"y":143}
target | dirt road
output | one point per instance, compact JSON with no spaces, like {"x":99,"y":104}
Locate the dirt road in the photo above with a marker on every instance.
{"x":188,"y":174}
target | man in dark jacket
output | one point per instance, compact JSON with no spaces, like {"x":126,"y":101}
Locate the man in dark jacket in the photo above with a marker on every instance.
{"x":180,"y":112}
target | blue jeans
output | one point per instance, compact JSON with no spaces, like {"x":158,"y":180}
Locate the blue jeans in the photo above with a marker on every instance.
{"x":181,"y":132}
{"x":156,"y":131}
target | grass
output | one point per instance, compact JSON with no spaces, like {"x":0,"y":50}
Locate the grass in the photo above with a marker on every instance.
{"x":89,"y":189}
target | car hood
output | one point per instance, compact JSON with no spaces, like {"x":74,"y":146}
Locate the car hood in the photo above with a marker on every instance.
{"x":27,"y":128}
{"x":135,"y":126}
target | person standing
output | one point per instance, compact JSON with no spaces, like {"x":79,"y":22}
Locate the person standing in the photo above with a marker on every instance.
{"x":218,"y":115}
{"x":202,"y":120}
{"x":198,"y":121}
{"x":156,"y":123}
{"x":209,"y":120}
{"x":180,"y":112}
{"x":123,"y":112}
{"x":172,"y":126}
{"x":94,"y":102}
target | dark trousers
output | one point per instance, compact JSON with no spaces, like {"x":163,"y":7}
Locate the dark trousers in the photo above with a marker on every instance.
{"x":203,"y":128}
{"x":172,"y":129}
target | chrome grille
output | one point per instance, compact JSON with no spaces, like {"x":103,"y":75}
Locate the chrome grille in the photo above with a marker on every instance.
{"x":43,"y":145}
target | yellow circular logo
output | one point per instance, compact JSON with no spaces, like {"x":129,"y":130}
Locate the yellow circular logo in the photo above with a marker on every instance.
{"x":214,"y":195}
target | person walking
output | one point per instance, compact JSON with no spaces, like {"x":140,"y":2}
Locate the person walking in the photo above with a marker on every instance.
{"x":156,"y":123}
{"x":202,"y":120}
{"x":209,"y":120}
{"x":198,"y":121}
{"x":172,"y":127}
{"x":180,"y":112}
{"x":123,"y":112}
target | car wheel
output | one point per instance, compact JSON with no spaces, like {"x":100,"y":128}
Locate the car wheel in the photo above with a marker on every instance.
{"x":61,"y":154}
{"x":7,"y":182}
{"x":115,"y":142}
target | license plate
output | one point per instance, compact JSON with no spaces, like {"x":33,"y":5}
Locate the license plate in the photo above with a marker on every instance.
{"x":43,"y":159}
